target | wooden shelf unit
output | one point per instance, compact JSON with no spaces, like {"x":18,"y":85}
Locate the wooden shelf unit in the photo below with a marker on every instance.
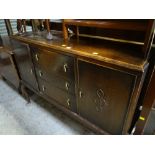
{"x":145,"y":26}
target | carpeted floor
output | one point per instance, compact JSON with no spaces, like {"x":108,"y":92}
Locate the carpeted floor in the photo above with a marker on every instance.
{"x":150,"y":126}
{"x":19,"y":118}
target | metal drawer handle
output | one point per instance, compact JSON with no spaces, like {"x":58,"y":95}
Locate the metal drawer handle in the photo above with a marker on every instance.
{"x":43,"y":87}
{"x":37,"y":58}
{"x":68,"y":102}
{"x":67,"y":85}
{"x":65,"y":67}
{"x":80,"y":94}
{"x":31,"y":71}
{"x":40,"y":73}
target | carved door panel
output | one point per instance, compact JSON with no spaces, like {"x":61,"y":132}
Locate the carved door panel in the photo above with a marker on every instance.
{"x":24,"y":63}
{"x":104,"y":95}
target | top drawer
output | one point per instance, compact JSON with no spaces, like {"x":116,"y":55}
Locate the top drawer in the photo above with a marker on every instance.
{"x":54,"y":63}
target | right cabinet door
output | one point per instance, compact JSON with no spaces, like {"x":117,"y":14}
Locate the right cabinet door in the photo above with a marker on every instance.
{"x":104,"y":95}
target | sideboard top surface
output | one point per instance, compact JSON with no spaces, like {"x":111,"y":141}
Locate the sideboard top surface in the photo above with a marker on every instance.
{"x":107,"y":52}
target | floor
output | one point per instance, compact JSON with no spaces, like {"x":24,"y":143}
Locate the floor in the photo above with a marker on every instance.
{"x":19,"y":118}
{"x":150,"y":126}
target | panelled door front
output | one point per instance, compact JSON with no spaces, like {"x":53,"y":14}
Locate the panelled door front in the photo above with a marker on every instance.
{"x":104,"y":95}
{"x":25,"y":65}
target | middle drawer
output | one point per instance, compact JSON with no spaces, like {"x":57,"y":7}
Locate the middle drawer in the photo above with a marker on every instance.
{"x":55,"y":80}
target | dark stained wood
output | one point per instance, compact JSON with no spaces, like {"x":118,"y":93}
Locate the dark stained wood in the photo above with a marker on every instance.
{"x":70,"y":113}
{"x":101,"y":98}
{"x":111,"y":53}
{"x":62,"y":97}
{"x":107,"y":73}
{"x":54,"y":63}
{"x":24,"y":63}
{"x":107,"y":24}
{"x":57,"y":81}
{"x":129,"y":26}
{"x":9,"y":70}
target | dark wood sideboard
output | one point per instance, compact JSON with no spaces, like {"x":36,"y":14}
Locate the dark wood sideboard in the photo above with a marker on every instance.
{"x":93,"y":71}
{"x":97,"y":85}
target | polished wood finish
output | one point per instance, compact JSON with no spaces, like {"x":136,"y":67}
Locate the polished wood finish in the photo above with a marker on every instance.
{"x":57,"y":81}
{"x":55,"y":74}
{"x":24,"y":63}
{"x":108,"y":24}
{"x":101,"y":99}
{"x":112,"y":53}
{"x":146,"y":27}
{"x":105,"y":80}
{"x":62,"y":97}
{"x":54,"y":63}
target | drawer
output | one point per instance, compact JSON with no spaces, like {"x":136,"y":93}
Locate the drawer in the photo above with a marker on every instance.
{"x":63,"y":98}
{"x":56,"y":81}
{"x":54,"y":63}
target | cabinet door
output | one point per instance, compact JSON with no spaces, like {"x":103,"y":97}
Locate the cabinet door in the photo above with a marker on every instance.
{"x":25,"y":65}
{"x":104,"y":96}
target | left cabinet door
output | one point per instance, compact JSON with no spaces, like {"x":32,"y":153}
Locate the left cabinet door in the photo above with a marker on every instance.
{"x":24,"y":63}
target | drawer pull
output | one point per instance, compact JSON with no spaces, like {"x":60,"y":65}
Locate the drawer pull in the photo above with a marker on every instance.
{"x":40,"y":73}
{"x":67,"y":86}
{"x":43,"y":88}
{"x":68,"y":102}
{"x":37,"y":58}
{"x":31,"y":71}
{"x":80,"y":94}
{"x":65,"y":67}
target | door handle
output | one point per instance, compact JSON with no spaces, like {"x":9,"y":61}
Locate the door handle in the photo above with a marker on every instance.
{"x":80,"y":94}
{"x":68,"y":102}
{"x":67,"y":85}
{"x":37,"y":58}
{"x":40,"y":73}
{"x":43,"y":88}
{"x":31,"y":71}
{"x":65,"y":67}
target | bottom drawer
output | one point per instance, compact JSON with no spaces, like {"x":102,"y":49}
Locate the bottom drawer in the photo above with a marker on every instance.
{"x":63,"y":98}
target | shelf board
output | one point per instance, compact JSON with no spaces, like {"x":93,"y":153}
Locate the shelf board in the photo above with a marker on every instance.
{"x":134,"y":26}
